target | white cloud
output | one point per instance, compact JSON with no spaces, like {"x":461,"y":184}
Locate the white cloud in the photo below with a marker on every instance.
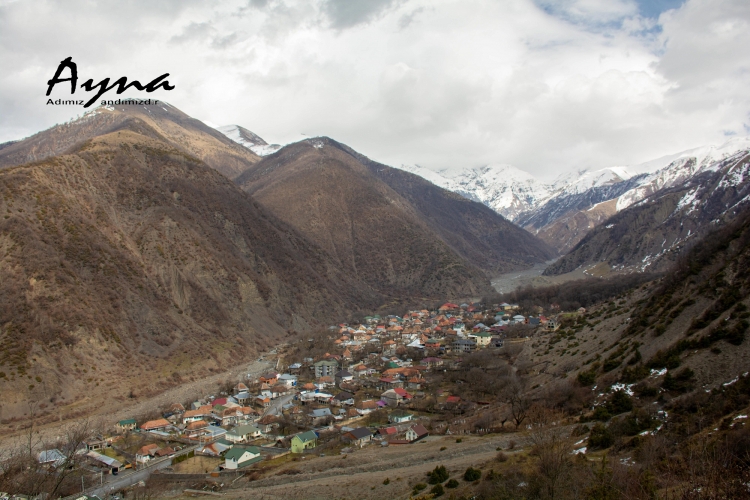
{"x":545,"y":86}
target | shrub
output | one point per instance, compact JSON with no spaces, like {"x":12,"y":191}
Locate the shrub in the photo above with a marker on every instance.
{"x":682,"y":381}
{"x":458,"y":440}
{"x":646,"y":391}
{"x":634,"y":374}
{"x":437,"y":490}
{"x":451,"y":484}
{"x":586,"y":378}
{"x":600,"y":437}
{"x":387,"y":481}
{"x":443,"y":448}
{"x":472,"y":474}
{"x":601,"y":413}
{"x":501,"y":457}
{"x":438,"y":475}
{"x":418,"y":487}
{"x":620,"y":403}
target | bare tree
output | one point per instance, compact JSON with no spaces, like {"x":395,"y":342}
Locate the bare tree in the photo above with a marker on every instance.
{"x":551,"y":443}
{"x":518,"y":400}
{"x":35,"y":466}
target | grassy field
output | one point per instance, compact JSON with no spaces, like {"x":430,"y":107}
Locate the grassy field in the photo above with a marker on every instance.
{"x":197,"y":465}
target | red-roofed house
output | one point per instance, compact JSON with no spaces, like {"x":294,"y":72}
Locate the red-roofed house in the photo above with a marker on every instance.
{"x":155,"y":425}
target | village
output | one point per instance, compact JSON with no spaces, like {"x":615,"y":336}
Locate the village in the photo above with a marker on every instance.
{"x":373,"y":383}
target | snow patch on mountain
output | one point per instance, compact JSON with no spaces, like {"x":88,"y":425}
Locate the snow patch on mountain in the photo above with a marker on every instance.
{"x":250,"y":140}
{"x":580,"y":181}
{"x":504,"y":188}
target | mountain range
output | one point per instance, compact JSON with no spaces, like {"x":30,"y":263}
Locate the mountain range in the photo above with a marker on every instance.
{"x":563,"y":212}
{"x":140,"y":247}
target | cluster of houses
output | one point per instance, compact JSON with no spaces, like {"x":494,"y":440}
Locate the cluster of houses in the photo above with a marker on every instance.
{"x":378,"y":365}
{"x":450,"y":328}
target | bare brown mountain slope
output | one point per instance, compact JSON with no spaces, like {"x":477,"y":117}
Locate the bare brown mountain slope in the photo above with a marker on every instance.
{"x":172,"y":125}
{"x":128,"y":263}
{"x":476,"y":232}
{"x":371,"y":231}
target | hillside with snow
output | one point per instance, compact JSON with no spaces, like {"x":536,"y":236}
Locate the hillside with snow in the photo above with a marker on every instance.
{"x":250,"y":140}
{"x":564,"y":211}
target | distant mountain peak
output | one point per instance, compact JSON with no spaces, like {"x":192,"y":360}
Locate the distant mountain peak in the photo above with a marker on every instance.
{"x":250,"y":140}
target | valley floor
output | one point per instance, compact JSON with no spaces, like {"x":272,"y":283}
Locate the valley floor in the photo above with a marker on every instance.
{"x":508,"y":282}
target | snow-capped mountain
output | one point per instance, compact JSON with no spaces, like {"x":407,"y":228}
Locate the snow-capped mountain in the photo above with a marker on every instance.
{"x":506,"y":189}
{"x":581,"y":180}
{"x":681,"y":167}
{"x":650,"y":234}
{"x":251,"y":141}
{"x":511,"y":191}
{"x":562,"y":212}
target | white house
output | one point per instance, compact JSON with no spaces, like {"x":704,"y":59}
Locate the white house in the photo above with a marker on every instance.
{"x":239,"y":457}
{"x":242,"y":434}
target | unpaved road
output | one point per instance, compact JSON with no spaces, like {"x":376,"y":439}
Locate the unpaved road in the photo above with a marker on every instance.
{"x":361,"y":473}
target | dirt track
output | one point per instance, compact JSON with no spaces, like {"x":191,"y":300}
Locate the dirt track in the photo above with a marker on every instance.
{"x":361,"y":473}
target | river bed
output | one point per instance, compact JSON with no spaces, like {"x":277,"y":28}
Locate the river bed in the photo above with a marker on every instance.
{"x":533,"y":276}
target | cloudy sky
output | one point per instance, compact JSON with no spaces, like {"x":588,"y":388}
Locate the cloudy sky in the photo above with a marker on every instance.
{"x":545,"y":85}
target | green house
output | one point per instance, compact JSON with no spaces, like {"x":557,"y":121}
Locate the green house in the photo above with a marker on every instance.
{"x":304,"y":440}
{"x":241,"y":456}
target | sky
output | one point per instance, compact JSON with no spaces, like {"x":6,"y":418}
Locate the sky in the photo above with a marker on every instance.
{"x":545,"y":85}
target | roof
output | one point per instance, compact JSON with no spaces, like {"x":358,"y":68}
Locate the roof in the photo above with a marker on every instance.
{"x":241,"y":430}
{"x":401,"y":392}
{"x":111,"y":462}
{"x":400,"y":413}
{"x":329,"y":362}
{"x":307,"y":436}
{"x":360,"y":432}
{"x":127,"y":421}
{"x":147,"y":448}
{"x":237,"y":451}
{"x":343,"y":373}
{"x":369,"y":404}
{"x":53,"y":455}
{"x":165,"y":451}
{"x":155,"y":424}
{"x":420,"y":430}
{"x":198,"y":424}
